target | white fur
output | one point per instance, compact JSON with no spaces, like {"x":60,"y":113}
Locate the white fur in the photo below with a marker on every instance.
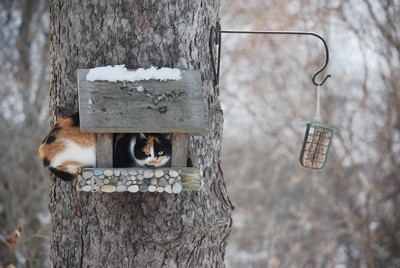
{"x":74,"y":152}
{"x":132,"y":148}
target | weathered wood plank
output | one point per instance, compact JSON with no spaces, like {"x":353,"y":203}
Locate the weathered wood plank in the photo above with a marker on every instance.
{"x":170,"y":180}
{"x":143,"y":106}
{"x":104,"y":150}
{"x":191,"y":181}
{"x":180,"y":146}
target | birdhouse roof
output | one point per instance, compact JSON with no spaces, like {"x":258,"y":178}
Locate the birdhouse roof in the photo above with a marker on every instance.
{"x":150,"y":106}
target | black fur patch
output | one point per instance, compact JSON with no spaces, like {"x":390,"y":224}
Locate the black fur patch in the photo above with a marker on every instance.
{"x":50,"y":139}
{"x":122,"y":154}
{"x":55,"y":129}
{"x":52,"y":135}
{"x":75,"y":120}
{"x":65,"y":176}
{"x":46,"y":162}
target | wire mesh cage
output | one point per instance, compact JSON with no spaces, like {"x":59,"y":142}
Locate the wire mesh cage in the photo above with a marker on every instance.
{"x":316,"y":144}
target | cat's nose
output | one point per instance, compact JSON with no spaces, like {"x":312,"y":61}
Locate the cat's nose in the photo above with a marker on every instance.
{"x":152,"y":162}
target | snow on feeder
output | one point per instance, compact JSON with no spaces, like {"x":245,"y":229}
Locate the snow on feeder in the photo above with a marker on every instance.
{"x":317,"y":141}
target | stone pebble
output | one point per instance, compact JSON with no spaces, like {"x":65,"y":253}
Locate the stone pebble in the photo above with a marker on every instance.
{"x":132,"y":172}
{"x":87,"y":174}
{"x":121,"y":188}
{"x":143,"y":187}
{"x":160,"y":189}
{"x":162,"y":182}
{"x":159,"y":173}
{"x":173,"y":173}
{"x":86,"y":188}
{"x":133,"y":188}
{"x":108,"y":188}
{"x":176,"y":188}
{"x":98,"y":172}
{"x":168,"y":189}
{"x":152,"y":188}
{"x":108,"y":173}
{"x":148,"y":173}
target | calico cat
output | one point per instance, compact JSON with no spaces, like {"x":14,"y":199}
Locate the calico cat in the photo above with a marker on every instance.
{"x":150,"y":150}
{"x":66,"y":150}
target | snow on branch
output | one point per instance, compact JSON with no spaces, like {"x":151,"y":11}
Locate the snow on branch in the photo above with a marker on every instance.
{"x":121,"y":73}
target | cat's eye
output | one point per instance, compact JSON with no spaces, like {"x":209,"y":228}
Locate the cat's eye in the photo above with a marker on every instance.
{"x":147,"y":153}
{"x":160,"y":153}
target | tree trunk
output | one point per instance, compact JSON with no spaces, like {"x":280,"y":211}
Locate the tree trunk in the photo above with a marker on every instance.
{"x":141,"y":229}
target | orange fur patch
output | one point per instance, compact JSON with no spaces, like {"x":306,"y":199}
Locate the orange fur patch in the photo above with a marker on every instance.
{"x":150,"y":143}
{"x":66,"y":132}
{"x":157,"y":161}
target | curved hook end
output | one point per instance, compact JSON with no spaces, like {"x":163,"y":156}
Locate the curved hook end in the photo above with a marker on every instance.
{"x":323,"y":81}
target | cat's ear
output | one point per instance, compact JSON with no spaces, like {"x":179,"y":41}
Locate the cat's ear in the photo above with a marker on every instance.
{"x":142,"y":136}
{"x":167,"y":136}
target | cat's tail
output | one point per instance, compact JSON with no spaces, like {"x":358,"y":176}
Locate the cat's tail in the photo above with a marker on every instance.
{"x":64,"y":175}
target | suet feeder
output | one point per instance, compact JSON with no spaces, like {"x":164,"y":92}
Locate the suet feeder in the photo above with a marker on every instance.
{"x":316,"y":144}
{"x":317,"y":141}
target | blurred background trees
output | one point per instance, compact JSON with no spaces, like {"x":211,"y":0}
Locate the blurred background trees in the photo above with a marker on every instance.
{"x":24,"y":90}
{"x":347,"y":215}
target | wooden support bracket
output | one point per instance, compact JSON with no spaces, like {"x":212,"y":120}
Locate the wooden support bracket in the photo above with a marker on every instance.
{"x":104,"y":150}
{"x":180,"y":146}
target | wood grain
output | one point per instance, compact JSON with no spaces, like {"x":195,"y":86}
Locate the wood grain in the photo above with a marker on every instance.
{"x":104,"y":150}
{"x":180,"y":146}
{"x":107,"y":107}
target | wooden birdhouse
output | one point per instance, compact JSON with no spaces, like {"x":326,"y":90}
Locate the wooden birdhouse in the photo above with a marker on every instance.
{"x":146,"y":106}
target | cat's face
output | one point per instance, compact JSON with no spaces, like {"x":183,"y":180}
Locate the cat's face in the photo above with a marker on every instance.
{"x":153,"y":150}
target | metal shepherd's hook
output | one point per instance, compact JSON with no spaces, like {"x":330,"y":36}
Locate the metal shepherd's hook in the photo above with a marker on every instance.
{"x":215,"y":39}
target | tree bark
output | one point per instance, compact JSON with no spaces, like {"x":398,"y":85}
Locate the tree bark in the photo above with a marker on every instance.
{"x":141,"y":229}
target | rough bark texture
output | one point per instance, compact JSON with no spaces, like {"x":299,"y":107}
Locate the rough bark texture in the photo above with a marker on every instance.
{"x":143,"y":229}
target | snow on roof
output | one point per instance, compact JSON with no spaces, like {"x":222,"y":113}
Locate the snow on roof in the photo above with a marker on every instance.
{"x":121,"y":73}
